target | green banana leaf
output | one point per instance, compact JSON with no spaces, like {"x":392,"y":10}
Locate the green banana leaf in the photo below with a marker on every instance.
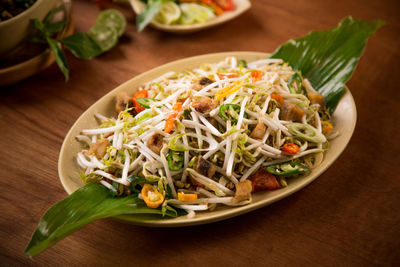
{"x":88,"y":203}
{"x":328,"y":58}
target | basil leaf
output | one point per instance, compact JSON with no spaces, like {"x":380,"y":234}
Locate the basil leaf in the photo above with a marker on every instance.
{"x":55,"y":27}
{"x":39,"y":25}
{"x":147,"y":15}
{"x":36,"y":39}
{"x":51,"y":14}
{"x":82,"y":45}
{"x":87,"y":204}
{"x":328,"y":58}
{"x":60,"y":57}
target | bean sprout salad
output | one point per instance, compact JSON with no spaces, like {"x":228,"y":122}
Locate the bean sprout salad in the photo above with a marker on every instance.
{"x":211,"y":135}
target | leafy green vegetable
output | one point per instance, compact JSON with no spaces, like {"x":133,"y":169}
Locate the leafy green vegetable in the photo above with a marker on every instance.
{"x":148,"y":14}
{"x":145,"y":101}
{"x":229,"y":112}
{"x":60,"y":57}
{"x":50,"y":15}
{"x":328,"y":58}
{"x":55,"y":27}
{"x":82,"y":46}
{"x":87,"y":204}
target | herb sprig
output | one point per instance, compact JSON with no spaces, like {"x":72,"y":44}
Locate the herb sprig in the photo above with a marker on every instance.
{"x":82,"y":45}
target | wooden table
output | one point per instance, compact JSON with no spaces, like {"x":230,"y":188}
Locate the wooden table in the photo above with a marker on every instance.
{"x":349,"y":216}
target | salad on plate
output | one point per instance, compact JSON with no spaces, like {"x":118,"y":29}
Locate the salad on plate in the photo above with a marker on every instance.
{"x":209,"y":135}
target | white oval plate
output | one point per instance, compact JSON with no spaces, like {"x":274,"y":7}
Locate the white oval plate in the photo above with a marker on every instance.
{"x":344,"y":119}
{"x":240,"y":7}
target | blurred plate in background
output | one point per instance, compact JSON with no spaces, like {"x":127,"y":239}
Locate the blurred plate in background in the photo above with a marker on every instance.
{"x":240,"y":7}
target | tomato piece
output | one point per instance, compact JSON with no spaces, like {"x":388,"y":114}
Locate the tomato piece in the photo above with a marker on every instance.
{"x":226,"y":5}
{"x":290,"y":148}
{"x":218,"y":11}
{"x":139,"y":94}
{"x":262,"y":180}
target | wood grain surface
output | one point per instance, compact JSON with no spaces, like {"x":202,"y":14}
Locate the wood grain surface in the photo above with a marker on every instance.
{"x":350,"y":216}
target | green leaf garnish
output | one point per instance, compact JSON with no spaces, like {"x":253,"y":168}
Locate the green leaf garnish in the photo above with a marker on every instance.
{"x":328,"y":58}
{"x":60,"y":57}
{"x":87,"y":204}
{"x":82,"y":46}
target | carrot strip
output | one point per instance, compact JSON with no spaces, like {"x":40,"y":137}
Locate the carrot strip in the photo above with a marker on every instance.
{"x":169,"y":124}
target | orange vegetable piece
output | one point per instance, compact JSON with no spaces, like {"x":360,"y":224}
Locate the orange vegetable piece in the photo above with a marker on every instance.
{"x":230,"y":89}
{"x":141,"y":93}
{"x":278,"y":98}
{"x":218,"y":11}
{"x":151,"y":196}
{"x":226,"y":5}
{"x":290,"y":148}
{"x":169,"y":124}
{"x":186,"y":197}
{"x":225,"y":76}
{"x":177,"y":106}
{"x":256,"y":75}
{"x":326,"y":127}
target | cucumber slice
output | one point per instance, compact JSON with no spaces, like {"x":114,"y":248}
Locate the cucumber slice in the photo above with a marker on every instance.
{"x":104,"y":36}
{"x":112,"y":18}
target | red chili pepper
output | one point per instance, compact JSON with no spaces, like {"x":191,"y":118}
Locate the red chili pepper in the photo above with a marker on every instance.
{"x":290,"y":148}
{"x":141,"y":93}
